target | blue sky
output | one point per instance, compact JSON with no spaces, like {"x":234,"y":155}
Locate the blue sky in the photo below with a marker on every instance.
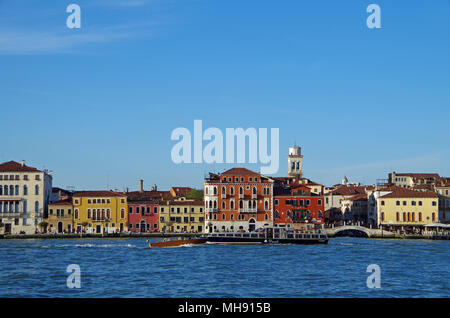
{"x":97,"y":105}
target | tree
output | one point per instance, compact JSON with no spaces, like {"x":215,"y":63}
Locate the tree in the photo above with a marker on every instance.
{"x":195,"y":194}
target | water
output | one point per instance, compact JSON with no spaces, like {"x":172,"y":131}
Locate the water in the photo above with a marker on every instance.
{"x":128,"y":268}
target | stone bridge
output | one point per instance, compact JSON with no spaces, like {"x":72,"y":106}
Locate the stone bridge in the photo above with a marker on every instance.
{"x":359,"y":231}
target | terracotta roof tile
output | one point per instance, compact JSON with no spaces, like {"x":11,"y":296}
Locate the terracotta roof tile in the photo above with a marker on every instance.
{"x":13,"y":166}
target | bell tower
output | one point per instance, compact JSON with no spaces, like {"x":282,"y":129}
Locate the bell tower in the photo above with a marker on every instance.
{"x":295,"y":167}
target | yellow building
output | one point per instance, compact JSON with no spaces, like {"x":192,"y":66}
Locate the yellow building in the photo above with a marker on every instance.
{"x":60,"y":217}
{"x":182,"y":216}
{"x":100,"y":211}
{"x":403,"y":207}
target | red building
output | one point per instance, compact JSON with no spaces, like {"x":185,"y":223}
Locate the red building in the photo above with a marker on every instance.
{"x":237,"y":199}
{"x":296,"y":206}
{"x":143,"y":216}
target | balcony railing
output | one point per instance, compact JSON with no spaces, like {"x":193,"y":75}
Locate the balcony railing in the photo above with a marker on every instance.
{"x":211,"y":210}
{"x":241,"y":195}
{"x":248,"y":210}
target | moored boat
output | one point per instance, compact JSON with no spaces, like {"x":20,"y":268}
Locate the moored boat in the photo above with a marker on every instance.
{"x":178,"y":242}
{"x":269,"y":235}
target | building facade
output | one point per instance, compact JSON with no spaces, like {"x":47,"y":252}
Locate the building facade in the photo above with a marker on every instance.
{"x":143,"y":216}
{"x":182,"y":215}
{"x":100,"y":211}
{"x":407,"y":208}
{"x":24,"y":197}
{"x":238,"y":199}
{"x":298,"y":207}
{"x":60,"y":217}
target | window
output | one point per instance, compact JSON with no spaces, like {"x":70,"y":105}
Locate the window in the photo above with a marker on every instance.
{"x":433,"y":203}
{"x":155,"y":209}
{"x":397,"y":214}
{"x":16,"y":190}
{"x":397,"y":203}
{"x":122,"y":213}
{"x":382,"y":202}
{"x":413,"y":202}
{"x":276,"y":202}
{"x":404,"y":202}
{"x":319,"y":202}
{"x":420,"y":203}
{"x":382,"y":216}
{"x":76,"y":214}
{"x":420,"y":216}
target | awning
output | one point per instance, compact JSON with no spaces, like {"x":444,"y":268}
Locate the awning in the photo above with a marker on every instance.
{"x":442,"y":225}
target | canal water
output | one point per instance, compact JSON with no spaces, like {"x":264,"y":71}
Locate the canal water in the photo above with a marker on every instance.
{"x":128,"y":268}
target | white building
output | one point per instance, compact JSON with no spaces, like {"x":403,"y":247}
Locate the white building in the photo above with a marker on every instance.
{"x":24,"y":196}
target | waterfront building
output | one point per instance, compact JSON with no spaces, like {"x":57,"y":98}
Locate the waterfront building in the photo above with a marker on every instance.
{"x":238,"y":199}
{"x":100,"y":211}
{"x":182,"y":215}
{"x":298,"y":207}
{"x":143,"y":216}
{"x":24,"y":197}
{"x":443,"y":191}
{"x":335,"y":197}
{"x":354,"y":209}
{"x":409,"y":180}
{"x":60,"y":217}
{"x":400,"y":207}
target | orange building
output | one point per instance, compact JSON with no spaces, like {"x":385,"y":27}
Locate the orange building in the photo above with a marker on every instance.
{"x":238,"y":199}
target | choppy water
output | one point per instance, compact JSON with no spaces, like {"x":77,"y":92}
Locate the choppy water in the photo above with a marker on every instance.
{"x":128,"y":268}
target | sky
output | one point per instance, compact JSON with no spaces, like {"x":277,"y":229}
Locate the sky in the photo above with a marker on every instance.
{"x":97,"y":105}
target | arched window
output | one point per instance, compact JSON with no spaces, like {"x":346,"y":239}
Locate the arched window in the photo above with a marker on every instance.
{"x":5,"y":189}
{"x":215,"y":190}
{"x":266,"y":205}
{"x":241,"y":204}
{"x":241,"y":190}
{"x":1,"y":190}
{"x":25,"y":190}
{"x":223,"y":190}
{"x":267,"y":216}
{"x":36,"y":206}
{"x":254,"y":190}
{"x":232,"y":204}
{"x":224,"y":205}
{"x":76,"y":213}
{"x":215,"y":204}
{"x":88,"y":213}
{"x":17,"y":190}
{"x":232,"y":191}
{"x":276,"y":214}
{"x":11,"y":190}
{"x":36,"y":189}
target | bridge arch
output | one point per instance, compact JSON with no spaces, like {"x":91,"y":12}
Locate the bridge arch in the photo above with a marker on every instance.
{"x":356,"y":231}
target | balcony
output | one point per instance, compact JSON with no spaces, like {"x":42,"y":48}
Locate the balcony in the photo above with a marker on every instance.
{"x":241,"y":195}
{"x":254,"y":196}
{"x":12,"y":215}
{"x":247,"y":210}
{"x":212,"y":210}
{"x":223,"y":196}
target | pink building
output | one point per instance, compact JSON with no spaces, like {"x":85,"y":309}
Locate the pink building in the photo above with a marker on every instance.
{"x":143,"y":216}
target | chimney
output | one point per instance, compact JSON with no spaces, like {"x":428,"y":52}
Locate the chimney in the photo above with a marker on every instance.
{"x":23,"y":163}
{"x":141,"y":182}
